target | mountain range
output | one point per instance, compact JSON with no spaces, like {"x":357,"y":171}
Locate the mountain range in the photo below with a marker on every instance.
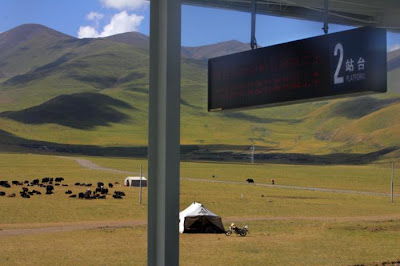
{"x":90,"y":96}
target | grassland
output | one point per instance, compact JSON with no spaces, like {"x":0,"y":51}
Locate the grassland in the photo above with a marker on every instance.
{"x":286,"y":226}
{"x":318,"y":129}
{"x":372,"y":177}
{"x":270,"y":243}
{"x":108,"y":71}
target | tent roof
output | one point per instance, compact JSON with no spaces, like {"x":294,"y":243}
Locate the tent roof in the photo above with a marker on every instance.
{"x":196,"y":209}
{"x":135,"y":178}
{"x":378,"y":13}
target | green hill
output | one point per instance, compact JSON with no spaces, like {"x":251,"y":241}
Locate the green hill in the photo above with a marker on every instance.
{"x":27,"y":47}
{"x":91,"y":96}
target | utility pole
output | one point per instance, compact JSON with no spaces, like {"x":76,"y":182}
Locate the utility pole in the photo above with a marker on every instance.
{"x":252,"y":152}
{"x":392,"y":181}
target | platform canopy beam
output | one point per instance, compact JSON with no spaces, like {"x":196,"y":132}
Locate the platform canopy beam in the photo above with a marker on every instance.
{"x":377,"y":13}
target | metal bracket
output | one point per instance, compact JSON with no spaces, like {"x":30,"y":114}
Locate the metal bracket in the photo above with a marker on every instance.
{"x":253,"y":42}
{"x":326,"y":15}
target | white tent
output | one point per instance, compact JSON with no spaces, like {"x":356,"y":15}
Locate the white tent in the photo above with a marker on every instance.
{"x":134,"y":181}
{"x":198,"y":219}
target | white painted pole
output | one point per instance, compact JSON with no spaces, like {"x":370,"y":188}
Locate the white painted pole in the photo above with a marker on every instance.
{"x":252,"y":153}
{"x":164,"y":126}
{"x":140,"y":186}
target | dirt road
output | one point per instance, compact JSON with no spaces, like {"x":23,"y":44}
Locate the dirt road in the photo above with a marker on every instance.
{"x":90,"y":165}
{"x":67,"y":227}
{"x":344,"y":191}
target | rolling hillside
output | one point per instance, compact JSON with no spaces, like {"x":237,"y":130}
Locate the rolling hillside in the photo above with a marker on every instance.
{"x":205,"y":52}
{"x":77,"y":95}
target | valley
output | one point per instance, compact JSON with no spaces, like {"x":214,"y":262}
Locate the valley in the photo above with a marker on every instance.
{"x":90,"y":96}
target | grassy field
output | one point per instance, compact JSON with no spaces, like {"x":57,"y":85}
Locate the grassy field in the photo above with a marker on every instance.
{"x":286,"y":226}
{"x":270,"y":243}
{"x":373,"y":177}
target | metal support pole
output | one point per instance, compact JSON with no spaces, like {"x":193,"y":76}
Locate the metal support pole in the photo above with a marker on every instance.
{"x":164,"y":123}
{"x":253,"y":42}
{"x":326,"y":15}
{"x":392,"y":181}
{"x":252,"y":153}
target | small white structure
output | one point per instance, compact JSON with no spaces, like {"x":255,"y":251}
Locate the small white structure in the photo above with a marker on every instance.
{"x":198,"y":219}
{"x":134,"y":181}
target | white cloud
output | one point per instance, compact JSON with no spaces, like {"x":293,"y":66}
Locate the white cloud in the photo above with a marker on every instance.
{"x":94,"y":16}
{"x":120,"y":23}
{"x":87,"y":32}
{"x":394,"y":47}
{"x":126,"y":4}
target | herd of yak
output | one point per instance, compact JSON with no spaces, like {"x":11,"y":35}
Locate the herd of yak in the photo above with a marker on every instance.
{"x":48,"y":183}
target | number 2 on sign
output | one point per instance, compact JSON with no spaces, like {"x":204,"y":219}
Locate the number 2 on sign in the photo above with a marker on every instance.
{"x":338,"y":48}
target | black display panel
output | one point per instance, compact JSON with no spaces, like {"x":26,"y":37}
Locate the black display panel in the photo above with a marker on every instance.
{"x":341,"y":64}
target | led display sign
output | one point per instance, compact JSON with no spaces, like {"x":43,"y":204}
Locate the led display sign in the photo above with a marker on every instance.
{"x":335,"y":65}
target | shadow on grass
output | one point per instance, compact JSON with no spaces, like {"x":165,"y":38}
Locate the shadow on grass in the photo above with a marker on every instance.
{"x":185,"y":103}
{"x":292,"y":158}
{"x":81,"y":111}
{"x":359,"y":107}
{"x":255,"y":119}
{"x":39,"y":72}
{"x":219,"y":153}
{"x":10,"y":142}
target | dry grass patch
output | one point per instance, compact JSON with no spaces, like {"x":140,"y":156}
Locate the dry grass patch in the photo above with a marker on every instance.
{"x":269,"y":243}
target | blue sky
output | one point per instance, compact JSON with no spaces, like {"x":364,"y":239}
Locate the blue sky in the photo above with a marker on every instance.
{"x":200,"y":26}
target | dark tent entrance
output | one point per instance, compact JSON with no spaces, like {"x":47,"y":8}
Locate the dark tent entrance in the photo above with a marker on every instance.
{"x":198,"y":219}
{"x":203,"y":224}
